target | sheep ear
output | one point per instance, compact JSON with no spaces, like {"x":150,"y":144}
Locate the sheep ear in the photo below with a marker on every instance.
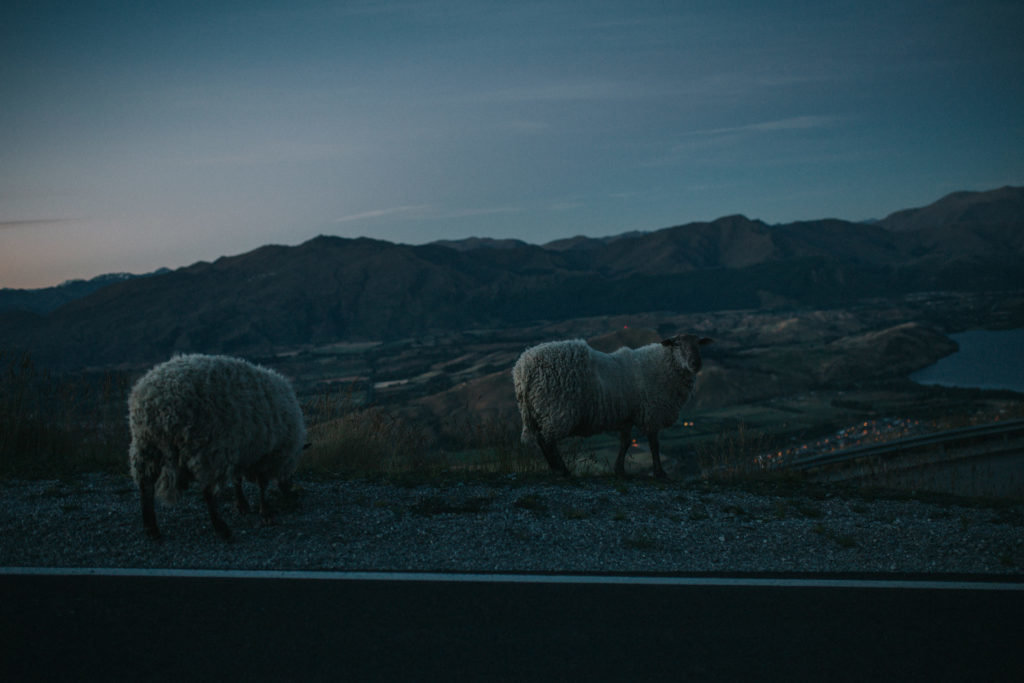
{"x":704,"y":341}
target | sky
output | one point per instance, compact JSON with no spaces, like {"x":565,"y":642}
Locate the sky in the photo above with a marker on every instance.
{"x":135,"y":136}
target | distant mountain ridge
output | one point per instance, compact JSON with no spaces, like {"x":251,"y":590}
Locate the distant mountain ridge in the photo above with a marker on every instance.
{"x":1002,"y":207}
{"x":46,"y":299}
{"x":471,"y":243}
{"x":332,"y":289}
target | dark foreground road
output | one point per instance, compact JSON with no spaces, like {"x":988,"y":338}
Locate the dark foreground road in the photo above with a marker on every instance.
{"x":186,"y":626}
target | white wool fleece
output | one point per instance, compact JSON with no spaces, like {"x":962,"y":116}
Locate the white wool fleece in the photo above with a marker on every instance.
{"x":213,"y":418}
{"x":567,"y":388}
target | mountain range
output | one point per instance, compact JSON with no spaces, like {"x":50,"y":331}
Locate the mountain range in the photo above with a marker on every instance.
{"x":332,"y":289}
{"x":47,"y":299}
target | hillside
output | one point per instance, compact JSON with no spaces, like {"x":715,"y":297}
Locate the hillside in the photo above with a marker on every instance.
{"x":47,"y":299}
{"x":331,"y":289}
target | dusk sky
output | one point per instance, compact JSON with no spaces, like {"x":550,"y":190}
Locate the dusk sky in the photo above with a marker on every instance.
{"x":137,"y":135}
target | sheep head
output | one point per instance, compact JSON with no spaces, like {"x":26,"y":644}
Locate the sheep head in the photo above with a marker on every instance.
{"x":686,"y":350}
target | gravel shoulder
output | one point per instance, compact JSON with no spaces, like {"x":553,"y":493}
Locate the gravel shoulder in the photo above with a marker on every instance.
{"x":516,"y":524}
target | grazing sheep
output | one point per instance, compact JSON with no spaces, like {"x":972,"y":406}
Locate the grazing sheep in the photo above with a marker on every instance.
{"x":566,"y":388}
{"x":212,"y":419}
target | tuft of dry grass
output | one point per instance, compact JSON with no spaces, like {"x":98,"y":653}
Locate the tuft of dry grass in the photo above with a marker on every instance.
{"x":733,"y":455}
{"x":350,"y":439}
{"x":488,"y":443}
{"x":370,"y":441}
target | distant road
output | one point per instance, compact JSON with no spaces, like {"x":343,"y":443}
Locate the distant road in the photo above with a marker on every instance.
{"x":981,"y":460}
{"x":195,"y":626}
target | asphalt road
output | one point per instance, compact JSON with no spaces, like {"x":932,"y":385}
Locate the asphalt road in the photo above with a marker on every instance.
{"x":194,"y":627}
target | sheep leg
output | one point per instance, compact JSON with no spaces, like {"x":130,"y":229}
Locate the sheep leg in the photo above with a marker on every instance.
{"x":625,"y":439}
{"x":550,"y":451}
{"x":147,"y":485}
{"x":218,"y":523}
{"x":652,"y":440}
{"x":265,"y":515}
{"x":240,"y":501}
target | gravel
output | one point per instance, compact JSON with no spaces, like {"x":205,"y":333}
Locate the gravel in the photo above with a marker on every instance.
{"x":517,"y":524}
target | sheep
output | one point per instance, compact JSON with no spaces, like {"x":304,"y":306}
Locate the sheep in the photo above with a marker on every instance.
{"x":567,"y":388}
{"x":214,"y":420}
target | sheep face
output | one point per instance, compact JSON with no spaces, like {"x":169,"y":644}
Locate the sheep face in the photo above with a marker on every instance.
{"x":686,"y":350}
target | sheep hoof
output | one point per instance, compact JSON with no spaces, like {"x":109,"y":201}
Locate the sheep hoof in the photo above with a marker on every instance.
{"x":660,"y":474}
{"x":154,"y":533}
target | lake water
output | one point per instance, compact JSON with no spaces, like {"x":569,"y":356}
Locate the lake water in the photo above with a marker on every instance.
{"x":986,"y":360}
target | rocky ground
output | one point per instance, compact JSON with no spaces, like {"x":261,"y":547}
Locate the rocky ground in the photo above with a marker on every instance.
{"x":515,"y":523}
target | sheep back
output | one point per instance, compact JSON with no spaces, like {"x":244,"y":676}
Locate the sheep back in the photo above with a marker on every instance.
{"x":212,"y":419}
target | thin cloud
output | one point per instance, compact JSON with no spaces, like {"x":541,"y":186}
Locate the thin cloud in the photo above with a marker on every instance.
{"x":706,"y":142}
{"x":381,"y":213}
{"x":793,"y":123}
{"x":426,"y":212}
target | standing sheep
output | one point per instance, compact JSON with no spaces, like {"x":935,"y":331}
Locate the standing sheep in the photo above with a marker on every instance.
{"x":566,"y":388}
{"x":212,"y":419}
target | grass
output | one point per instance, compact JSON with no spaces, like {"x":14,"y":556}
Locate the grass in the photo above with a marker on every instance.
{"x":392,"y":441}
{"x":487,"y":443}
{"x":733,"y":455}
{"x":54,"y":426}
{"x":368,"y":441}
{"x":351,"y":439}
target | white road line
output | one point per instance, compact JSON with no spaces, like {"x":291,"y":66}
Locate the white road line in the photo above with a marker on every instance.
{"x":572,"y":579}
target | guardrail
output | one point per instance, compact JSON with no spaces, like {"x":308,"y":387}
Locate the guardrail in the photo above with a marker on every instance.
{"x":983,"y":460}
